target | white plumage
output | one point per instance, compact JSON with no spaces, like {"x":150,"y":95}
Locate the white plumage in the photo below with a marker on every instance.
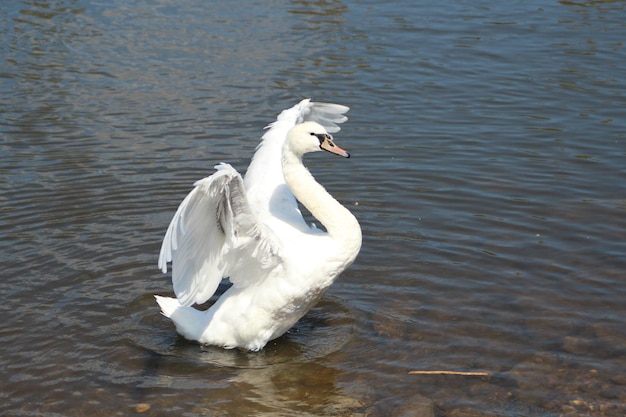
{"x":251,"y":231}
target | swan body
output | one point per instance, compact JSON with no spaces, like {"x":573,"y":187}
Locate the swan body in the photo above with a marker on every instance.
{"x":251,"y":231}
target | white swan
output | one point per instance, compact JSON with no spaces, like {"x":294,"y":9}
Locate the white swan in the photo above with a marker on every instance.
{"x":252,"y":232}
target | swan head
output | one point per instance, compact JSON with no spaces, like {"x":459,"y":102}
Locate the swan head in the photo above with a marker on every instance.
{"x":312,"y":137}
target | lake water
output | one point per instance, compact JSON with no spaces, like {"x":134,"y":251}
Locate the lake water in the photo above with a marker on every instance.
{"x":488,"y":175}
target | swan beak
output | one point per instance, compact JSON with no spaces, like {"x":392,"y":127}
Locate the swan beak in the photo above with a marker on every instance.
{"x":327,"y":144}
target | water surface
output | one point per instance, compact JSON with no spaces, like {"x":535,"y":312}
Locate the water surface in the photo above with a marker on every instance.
{"x":488,"y":174}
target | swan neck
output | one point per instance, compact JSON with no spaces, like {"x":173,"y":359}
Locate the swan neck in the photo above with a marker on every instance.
{"x":340,"y":224}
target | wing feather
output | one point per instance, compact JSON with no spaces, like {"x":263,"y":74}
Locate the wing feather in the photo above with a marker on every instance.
{"x":214,"y":234}
{"x":328,"y":115}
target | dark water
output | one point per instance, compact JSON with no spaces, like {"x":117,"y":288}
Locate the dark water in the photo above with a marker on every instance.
{"x":489,"y":177}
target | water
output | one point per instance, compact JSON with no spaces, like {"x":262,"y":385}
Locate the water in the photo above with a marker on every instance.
{"x":488,"y":174}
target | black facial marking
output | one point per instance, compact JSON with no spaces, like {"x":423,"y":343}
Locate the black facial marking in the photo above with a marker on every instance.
{"x":324,"y":136}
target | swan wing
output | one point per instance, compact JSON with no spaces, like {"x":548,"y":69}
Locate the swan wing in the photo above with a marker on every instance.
{"x":215,"y":234}
{"x":328,"y":115}
{"x":266,"y":189}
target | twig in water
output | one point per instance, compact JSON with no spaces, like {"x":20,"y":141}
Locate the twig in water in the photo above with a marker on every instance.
{"x":449,"y":373}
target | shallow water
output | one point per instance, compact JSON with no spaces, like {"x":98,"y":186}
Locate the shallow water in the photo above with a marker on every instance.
{"x":488,"y":174}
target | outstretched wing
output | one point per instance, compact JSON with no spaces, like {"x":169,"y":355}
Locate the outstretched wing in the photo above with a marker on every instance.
{"x":266,"y":190}
{"x":215,"y":234}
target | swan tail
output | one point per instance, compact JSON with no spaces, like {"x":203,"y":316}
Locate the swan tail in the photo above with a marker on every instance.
{"x":189,"y":321}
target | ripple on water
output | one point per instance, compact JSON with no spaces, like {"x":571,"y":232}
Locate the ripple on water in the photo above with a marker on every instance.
{"x":322,"y":331}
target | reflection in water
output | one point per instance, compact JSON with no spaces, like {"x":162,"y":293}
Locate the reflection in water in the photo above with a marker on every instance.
{"x":292,"y":388}
{"x":287,"y":376}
